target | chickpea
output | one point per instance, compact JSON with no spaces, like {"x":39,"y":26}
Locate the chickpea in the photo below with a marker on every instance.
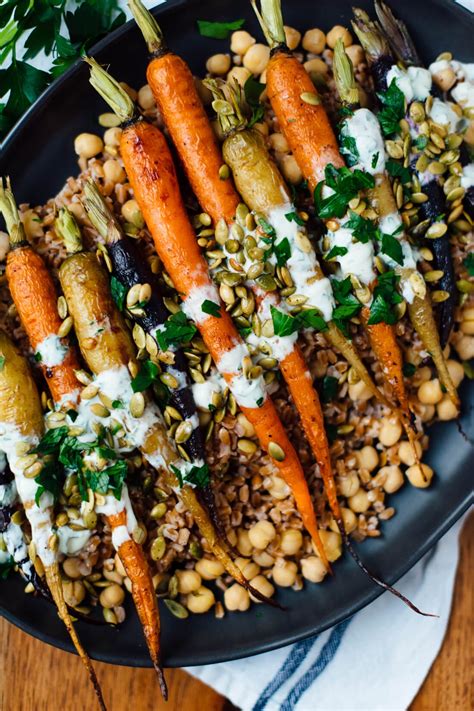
{"x":314,"y":41}
{"x":264,"y":559}
{"x":359,"y":391}
{"x":390,"y":431}
{"x":146,"y":98}
{"x":261,"y":534}
{"x":332,"y":543}
{"x":284,"y":573}
{"x":348,"y":485}
{"x":263,"y":586}
{"x":416,"y":478}
{"x":236,"y":598}
{"x":313,"y":569}
{"x":256,"y":58}
{"x":291,"y":541}
{"x":244,"y":546}
{"x":290,"y":169}
{"x":209,"y":568}
{"x":467,"y":327}
{"x":456,"y":371}
{"x":278,"y":143}
{"x":74,"y":592}
{"x":406,"y":453}
{"x":393,"y":478}
{"x":422,"y":375}
{"x":263,"y":78}
{"x":240,"y":74}
{"x":119,"y":566}
{"x":241,"y":41}
{"x":292,"y":37}
{"x":248,"y":567}
{"x":446,"y":409}
{"x":279,"y":489}
{"x":359,"y":502}
{"x":445,"y":78}
{"x":356,"y":54}
{"x":368,"y":458}
{"x":188,"y":581}
{"x":430,"y":393}
{"x":218,"y":64}
{"x":88,"y":145}
{"x":112,"y":596}
{"x":465,"y":347}
{"x":132,"y":213}
{"x":262,"y":128}
{"x":113,"y":171}
{"x":426,"y":412}
{"x":247,"y":427}
{"x":338,"y":32}
{"x":349,"y":519}
{"x":200,"y":601}
{"x":112,"y":136}
{"x":71,"y":568}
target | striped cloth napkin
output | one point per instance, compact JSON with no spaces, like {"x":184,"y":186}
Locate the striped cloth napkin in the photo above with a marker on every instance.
{"x":374,"y":661}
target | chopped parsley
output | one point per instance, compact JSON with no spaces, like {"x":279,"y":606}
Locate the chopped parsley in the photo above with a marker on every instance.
{"x":374,"y":161}
{"x":199,"y":476}
{"x":210,"y":307}
{"x":286,"y":325}
{"x":145,"y":376}
{"x":396,"y":170}
{"x":6,"y":567}
{"x":253,"y":90}
{"x":294,"y":217}
{"x":329,"y":388}
{"x":118,"y":291}
{"x":176,"y":330}
{"x":349,"y":149}
{"x":38,"y":357}
{"x":266,"y":227}
{"x":393,"y":109}
{"x":421,"y":142}
{"x":392,"y":248}
{"x":111,"y":478}
{"x":282,"y":251}
{"x":409,"y":370}
{"x":260,"y":402}
{"x":218,"y":30}
{"x":363,"y":229}
{"x":348,"y":306}
{"x":386,"y":297}
{"x":2,"y":361}
{"x":345,"y":184}
{"x":49,"y":479}
{"x":335,"y":252}
{"x":468,"y":263}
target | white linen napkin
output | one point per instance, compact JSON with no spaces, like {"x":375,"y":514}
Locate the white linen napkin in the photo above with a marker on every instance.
{"x":375,"y":661}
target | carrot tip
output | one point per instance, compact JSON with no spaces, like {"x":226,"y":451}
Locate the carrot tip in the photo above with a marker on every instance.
{"x":161,"y":680}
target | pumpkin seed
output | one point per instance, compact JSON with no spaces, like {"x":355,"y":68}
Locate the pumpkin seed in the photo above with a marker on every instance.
{"x":17,"y":517}
{"x":224,"y":172}
{"x":439,"y":296}
{"x":53,"y":542}
{"x":204,"y":219}
{"x":184,"y":431}
{"x":268,"y":363}
{"x":61,"y":520}
{"x":33,"y":470}
{"x":90,"y":520}
{"x":465,"y":286}
{"x":419,"y":198}
{"x":454,"y":214}
{"x":158,"y":547}
{"x":427,"y":254}
{"x":267,"y":282}
{"x":139,"y":534}
{"x":436,"y":168}
{"x":276,"y":452}
{"x":109,"y":616}
{"x":169,"y":380}
{"x":145,"y":293}
{"x":222,"y":232}
{"x":399,"y":196}
{"x":267,"y":328}
{"x":246,"y":446}
{"x":297,"y":299}
{"x":176,"y":609}
{"x":90,"y":391}
{"x":151,"y":346}
{"x":310,"y":98}
{"x":417,"y":112}
{"x":345,"y":429}
{"x":137,"y":404}
{"x":436,"y":230}
{"x":449,"y":157}
{"x":183,"y":453}
{"x":227,"y":294}
{"x":303,"y":242}
{"x":99,"y":410}
{"x":173,"y":586}
{"x":455,"y":194}
{"x":255,"y":271}
{"x":133,"y":295}
{"x":418,"y":284}
{"x":62,"y":307}
{"x":433,"y":275}
{"x":65,"y":327}
{"x":196,"y":375}
{"x":237,"y":232}
{"x":394,"y":149}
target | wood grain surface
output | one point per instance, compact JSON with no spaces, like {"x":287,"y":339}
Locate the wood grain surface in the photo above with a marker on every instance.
{"x":36,"y":677}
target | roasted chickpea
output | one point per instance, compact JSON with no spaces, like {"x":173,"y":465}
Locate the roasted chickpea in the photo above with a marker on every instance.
{"x":368,"y":458}
{"x":218,"y":64}
{"x":188,"y":581}
{"x":291,"y":541}
{"x":88,"y":145}
{"x":241,"y":41}
{"x":417,"y":478}
{"x":200,"y":601}
{"x":338,"y":32}
{"x":112,"y":596}
{"x":261,"y":534}
{"x":292,"y":37}
{"x":236,"y":598}
{"x":446,"y":409}
{"x":430,"y":393}
{"x":256,"y":58}
{"x":390,"y":431}
{"x":209,"y":569}
{"x":263,"y":586}
{"x":284,"y":573}
{"x":314,"y":41}
{"x":313,"y":569}
{"x":146,"y":98}
{"x":393,"y":478}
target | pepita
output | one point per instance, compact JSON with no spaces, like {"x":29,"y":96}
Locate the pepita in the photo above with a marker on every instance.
{"x":158,"y":547}
{"x":133,"y":295}
{"x":169,"y":380}
{"x":89,"y":391}
{"x":276,"y":452}
{"x":246,"y":446}
{"x":224,"y":172}
{"x":62,"y":307}
{"x":310,"y":98}
{"x":183,"y":432}
{"x":436,"y":230}
{"x":419,"y":198}
{"x":99,"y":410}
{"x":176,"y":609}
{"x":65,"y":327}
{"x":439,"y":296}
{"x":33,"y":470}
{"x":145,"y":293}
{"x":433,"y":275}
{"x":137,"y":404}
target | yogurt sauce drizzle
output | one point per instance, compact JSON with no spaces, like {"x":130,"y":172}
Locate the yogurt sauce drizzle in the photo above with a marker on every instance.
{"x":51,"y":351}
{"x":364,"y":128}
{"x":414,"y":83}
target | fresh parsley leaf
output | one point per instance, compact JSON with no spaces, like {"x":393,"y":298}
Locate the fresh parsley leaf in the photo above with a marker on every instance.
{"x":260,"y":402}
{"x":409,"y":370}
{"x":283,"y":324}
{"x":282,"y":251}
{"x":386,"y":297}
{"x":346,"y":184}
{"x":363,"y":229}
{"x":6,"y":567}
{"x":468,"y":263}
{"x":176,"y":471}
{"x":245,"y":331}
{"x":2,"y":361}
{"x":253,"y":90}
{"x":294,"y":217}
{"x":72,"y":414}
{"x":311,"y":318}
{"x":51,"y":441}
{"x":199,"y":476}
{"x":145,"y":376}
{"x":374,"y":161}
{"x":329,"y":388}
{"x":266,"y":227}
{"x":218,"y":30}
{"x":335,"y":252}
{"x":348,"y":306}
{"x":392,"y":248}
{"x":49,"y":479}
{"x":115,"y":474}
{"x":118,"y":291}
{"x":345,"y":111}
{"x":210,"y":307}
{"x":349,"y":149}
{"x":176,"y":330}
{"x":117,"y":404}
{"x":396,"y":170}
{"x":421,"y":142}
{"x":344,"y":312}
{"x":393,"y":109}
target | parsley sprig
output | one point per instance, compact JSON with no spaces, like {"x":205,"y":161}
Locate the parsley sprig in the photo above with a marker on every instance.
{"x":386,"y":297}
{"x":176,"y":330}
{"x":197,"y":475}
{"x":286,"y":325}
{"x":393,"y":109}
{"x":346,"y":185}
{"x":253,"y":90}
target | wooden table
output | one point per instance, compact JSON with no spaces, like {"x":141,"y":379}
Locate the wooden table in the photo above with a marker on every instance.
{"x":36,"y":677}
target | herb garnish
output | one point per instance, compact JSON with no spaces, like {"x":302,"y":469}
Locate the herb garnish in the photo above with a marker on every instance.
{"x":218,"y":30}
{"x":396,"y":170}
{"x":409,"y":370}
{"x":363,"y":229}
{"x":386,"y":297}
{"x":118,"y":291}
{"x":253,"y":90}
{"x":393,"y":109}
{"x":2,"y":361}
{"x":335,"y":252}
{"x":329,"y":388}
{"x":346,"y":185}
{"x":294,"y":217}
{"x":145,"y":376}
{"x":468,"y":263}
{"x":177,"y":329}
{"x":348,"y":305}
{"x":6,"y":567}
{"x":374,"y":161}
{"x":392,"y":247}
{"x":199,"y":476}
{"x":286,"y":325}
{"x":349,"y":149}
{"x":210,"y":307}
{"x":282,"y":251}
{"x":421,"y":142}
{"x":111,"y":478}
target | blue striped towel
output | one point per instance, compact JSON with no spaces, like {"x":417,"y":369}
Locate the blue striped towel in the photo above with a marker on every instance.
{"x":375,"y":661}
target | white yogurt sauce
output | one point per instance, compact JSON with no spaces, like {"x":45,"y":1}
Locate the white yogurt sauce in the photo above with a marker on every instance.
{"x":8,"y":493}
{"x":192,"y":305}
{"x":463,"y":94}
{"x":442,"y":113}
{"x":415,"y":83}
{"x":364,"y":128}
{"x":70,"y":541}
{"x":303,"y":266}
{"x":51,"y":351}
{"x":463,"y":71}
{"x":203,"y":392}
{"x":467,"y":178}
{"x":359,"y":259}
{"x":231,"y":361}
{"x":281,"y":346}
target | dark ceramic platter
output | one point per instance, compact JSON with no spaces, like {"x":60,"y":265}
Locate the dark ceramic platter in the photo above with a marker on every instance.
{"x":39,"y":156}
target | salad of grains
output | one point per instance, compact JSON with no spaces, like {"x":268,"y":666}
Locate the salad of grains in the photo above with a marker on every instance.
{"x":210,"y":387}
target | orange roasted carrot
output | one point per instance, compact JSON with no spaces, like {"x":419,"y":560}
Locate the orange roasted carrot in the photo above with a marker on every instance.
{"x":151,"y":172}
{"x":34,"y":294}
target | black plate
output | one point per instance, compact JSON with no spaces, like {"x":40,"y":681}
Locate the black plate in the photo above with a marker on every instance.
{"x":39,"y":156}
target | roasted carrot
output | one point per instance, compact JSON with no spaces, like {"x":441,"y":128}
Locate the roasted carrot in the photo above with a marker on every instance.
{"x":22,"y":418}
{"x":152,"y":174}
{"x":34,"y":294}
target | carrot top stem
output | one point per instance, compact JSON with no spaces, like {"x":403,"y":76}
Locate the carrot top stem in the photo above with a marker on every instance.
{"x":149,"y":27}
{"x":344,"y":75}
{"x":100,"y":214}
{"x":227,"y":105}
{"x":370,"y":35}
{"x":9,"y":210}
{"x":111,"y":91}
{"x":271,"y":21}
{"x":67,"y":228}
